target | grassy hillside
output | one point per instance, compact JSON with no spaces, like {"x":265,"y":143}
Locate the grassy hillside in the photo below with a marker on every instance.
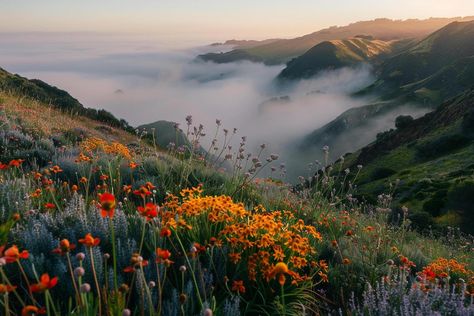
{"x":282,"y":51}
{"x":443,"y":48}
{"x":164,"y":133}
{"x":41,"y":91}
{"x":335,"y":54}
{"x":95,"y":223}
{"x":432,"y":157}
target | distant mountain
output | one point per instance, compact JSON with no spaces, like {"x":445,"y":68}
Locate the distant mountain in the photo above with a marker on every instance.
{"x":245,"y":43}
{"x":421,"y":77}
{"x":282,"y":51}
{"x":426,"y":61}
{"x":335,"y":54}
{"x":432,"y":156}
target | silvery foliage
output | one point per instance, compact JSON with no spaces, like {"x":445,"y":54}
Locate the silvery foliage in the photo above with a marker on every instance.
{"x":14,"y":197}
{"x":395,"y":299}
{"x":41,"y":232}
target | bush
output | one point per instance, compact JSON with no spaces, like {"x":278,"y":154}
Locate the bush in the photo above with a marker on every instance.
{"x":441,"y":146}
{"x":403,"y":121}
{"x":461,"y":199}
{"x":382,"y":173}
{"x":435,"y":204}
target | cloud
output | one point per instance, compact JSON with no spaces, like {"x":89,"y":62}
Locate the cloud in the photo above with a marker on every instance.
{"x":159,"y":83}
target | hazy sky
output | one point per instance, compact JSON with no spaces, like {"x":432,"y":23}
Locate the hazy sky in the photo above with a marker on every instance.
{"x":213,"y":19}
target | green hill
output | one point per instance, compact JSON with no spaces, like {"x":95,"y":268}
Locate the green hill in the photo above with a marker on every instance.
{"x":45,"y":93}
{"x":335,"y":54}
{"x":432,"y":156}
{"x":443,"y":48}
{"x":164,"y":133}
{"x":282,"y":51}
{"x":433,"y":70}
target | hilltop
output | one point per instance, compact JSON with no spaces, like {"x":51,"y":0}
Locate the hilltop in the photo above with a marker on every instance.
{"x":282,"y":51}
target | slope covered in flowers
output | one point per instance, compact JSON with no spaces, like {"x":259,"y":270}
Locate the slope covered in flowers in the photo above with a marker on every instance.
{"x":97,"y":226}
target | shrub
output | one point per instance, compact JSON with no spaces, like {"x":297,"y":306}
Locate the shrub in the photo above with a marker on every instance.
{"x":382,"y":173}
{"x":403,"y":121}
{"x":441,"y":146}
{"x":461,"y":199}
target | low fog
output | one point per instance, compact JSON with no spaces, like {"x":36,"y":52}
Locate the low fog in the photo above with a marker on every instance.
{"x":143,"y":82}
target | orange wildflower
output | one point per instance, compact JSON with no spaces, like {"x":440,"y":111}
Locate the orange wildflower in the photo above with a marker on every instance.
{"x":5,"y":288}
{"x":107,"y":205}
{"x":13,"y":254}
{"x":46,"y":283}
{"x":238,"y":286}
{"x":56,"y":169}
{"x":162,"y":256}
{"x":89,"y":241}
{"x":149,"y":211}
{"x":143,"y":191}
{"x":16,"y":162}
{"x":64,"y":247}
{"x":165,"y":232}
{"x":31,"y":310}
{"x":132,"y":165}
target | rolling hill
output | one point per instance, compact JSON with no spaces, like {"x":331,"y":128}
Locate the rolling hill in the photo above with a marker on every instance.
{"x":335,"y":54}
{"x":420,"y":78}
{"x":282,"y":51}
{"x":432,"y":155}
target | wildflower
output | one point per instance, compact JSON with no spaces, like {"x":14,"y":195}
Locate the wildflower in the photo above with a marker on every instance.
{"x":165,"y":232}
{"x":83,"y":180}
{"x":36,"y":194}
{"x":132,"y":165}
{"x":46,"y":283}
{"x":5,"y":288}
{"x":127,"y":189}
{"x":50,"y":206}
{"x":16,"y":163}
{"x":64,"y":247}
{"x":103,"y":177}
{"x":3,"y":166}
{"x":13,"y":254}
{"x":80,"y":256}
{"x":136,"y":261}
{"x":74,"y":188}
{"x":234,"y":257}
{"x":126,"y":312}
{"x":208,"y":312}
{"x":346,"y":261}
{"x":107,"y":205}
{"x":89,"y":241}
{"x":238,"y":286}
{"x":182,"y":269}
{"x":149,"y":211}
{"x":31,"y":310}
{"x":163,"y":256}
{"x":279,"y":271}
{"x":182,"y":298}
{"x":56,"y":169}
{"x":143,"y":191}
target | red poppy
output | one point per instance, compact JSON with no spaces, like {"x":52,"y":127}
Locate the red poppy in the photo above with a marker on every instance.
{"x":149,"y":211}
{"x":162,"y":256}
{"x":3,"y":166}
{"x":45,"y":283}
{"x":89,"y":241}
{"x":16,"y":162}
{"x":107,"y":205}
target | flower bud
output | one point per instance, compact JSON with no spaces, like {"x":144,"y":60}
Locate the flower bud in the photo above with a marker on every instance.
{"x":126,"y":312}
{"x":182,"y":268}
{"x":85,"y":288}
{"x":80,"y":256}
{"x":208,"y":312}
{"x":79,"y":271}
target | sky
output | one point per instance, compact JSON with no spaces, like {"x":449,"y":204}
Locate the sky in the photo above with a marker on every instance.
{"x":212,"y":19}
